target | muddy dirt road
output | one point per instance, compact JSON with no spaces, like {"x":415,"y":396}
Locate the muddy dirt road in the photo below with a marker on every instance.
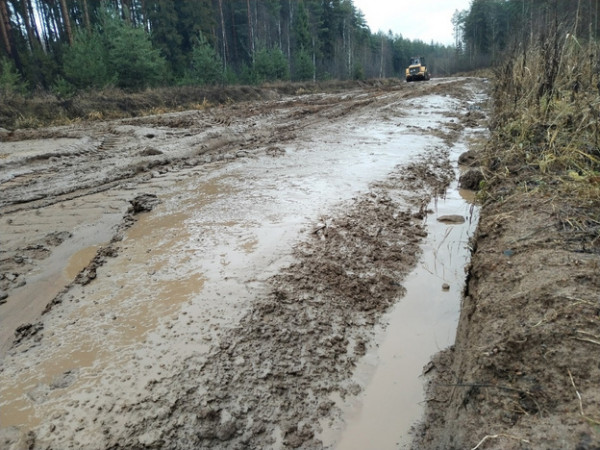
{"x":213,"y":278}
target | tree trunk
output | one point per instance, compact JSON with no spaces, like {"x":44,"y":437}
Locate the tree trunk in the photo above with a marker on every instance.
{"x":7,"y":37}
{"x":596,"y":21}
{"x":86,"y":16}
{"x":223,"y":35}
{"x":127,"y":16}
{"x":314,"y":59}
{"x":347,"y":33}
{"x":250,"y":31}
{"x":289,"y":32}
{"x":279,"y":33}
{"x":36,"y":32}
{"x":66,"y":20}
{"x":382,"y":56}
{"x":26,"y":18}
{"x":5,"y":27}
{"x":576,"y":17}
{"x":144,"y":15}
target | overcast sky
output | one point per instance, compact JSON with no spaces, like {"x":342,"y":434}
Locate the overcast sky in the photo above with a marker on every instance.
{"x":427,"y":20}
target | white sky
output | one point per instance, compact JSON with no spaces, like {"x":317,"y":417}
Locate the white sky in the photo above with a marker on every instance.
{"x":427,"y":20}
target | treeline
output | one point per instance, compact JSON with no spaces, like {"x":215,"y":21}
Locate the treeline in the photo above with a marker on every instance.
{"x":66,"y":45}
{"x":490,"y":28}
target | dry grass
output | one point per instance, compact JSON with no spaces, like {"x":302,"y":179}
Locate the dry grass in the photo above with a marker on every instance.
{"x":45,"y":109}
{"x":546,"y":129}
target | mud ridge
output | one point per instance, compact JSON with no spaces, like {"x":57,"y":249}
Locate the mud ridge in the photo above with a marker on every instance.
{"x":141,"y":203}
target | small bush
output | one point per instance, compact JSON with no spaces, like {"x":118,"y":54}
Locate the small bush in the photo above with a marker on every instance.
{"x":86,"y":63}
{"x":11,"y":81}
{"x":62,"y":88}
{"x":304,"y":68}
{"x":271,"y":65}
{"x":359,"y":72}
{"x":206,"y":68}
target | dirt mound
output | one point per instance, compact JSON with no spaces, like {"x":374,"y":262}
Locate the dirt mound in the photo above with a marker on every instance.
{"x":144,"y":203}
{"x":471,"y":179}
{"x":468,"y":158}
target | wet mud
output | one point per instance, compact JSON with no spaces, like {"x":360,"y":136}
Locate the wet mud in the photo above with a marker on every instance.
{"x":212,"y":279}
{"x":418,"y":326}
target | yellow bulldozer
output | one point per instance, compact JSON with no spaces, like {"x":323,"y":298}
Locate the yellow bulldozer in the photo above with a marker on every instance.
{"x":417,"y":69}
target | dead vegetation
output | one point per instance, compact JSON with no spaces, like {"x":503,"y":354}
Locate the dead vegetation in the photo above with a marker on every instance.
{"x":22,"y":112}
{"x":547,"y":128}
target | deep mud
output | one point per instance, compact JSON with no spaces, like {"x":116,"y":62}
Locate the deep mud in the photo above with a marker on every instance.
{"x":211,"y":278}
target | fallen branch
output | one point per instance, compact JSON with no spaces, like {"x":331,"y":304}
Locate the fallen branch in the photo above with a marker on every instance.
{"x":579,"y":301}
{"x":587,"y":340}
{"x":589,"y":419}
{"x":587,"y":333}
{"x":496,"y":436}
{"x":485,"y":385}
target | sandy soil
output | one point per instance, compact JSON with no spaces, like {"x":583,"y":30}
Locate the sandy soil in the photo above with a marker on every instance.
{"x":211,"y":278}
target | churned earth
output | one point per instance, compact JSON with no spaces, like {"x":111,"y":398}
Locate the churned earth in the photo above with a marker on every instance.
{"x":213,"y":278}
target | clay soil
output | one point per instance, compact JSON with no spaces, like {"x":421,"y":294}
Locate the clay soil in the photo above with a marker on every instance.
{"x":170,"y":281}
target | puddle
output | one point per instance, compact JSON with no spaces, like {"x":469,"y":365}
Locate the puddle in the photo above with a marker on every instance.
{"x":91,"y":224}
{"x":421,"y":324}
{"x":79,"y":261}
{"x":118,"y":313}
{"x":22,"y":398}
{"x":468,"y":195}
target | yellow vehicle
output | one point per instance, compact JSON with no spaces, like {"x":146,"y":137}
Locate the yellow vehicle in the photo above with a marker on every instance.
{"x":417,"y":70}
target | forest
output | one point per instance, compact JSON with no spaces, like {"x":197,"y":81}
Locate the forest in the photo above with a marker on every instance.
{"x":491,"y":30}
{"x":64,"y":46}
{"x":133,"y":44}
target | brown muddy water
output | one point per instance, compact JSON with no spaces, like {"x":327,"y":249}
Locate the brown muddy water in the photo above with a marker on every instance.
{"x":421,"y":324}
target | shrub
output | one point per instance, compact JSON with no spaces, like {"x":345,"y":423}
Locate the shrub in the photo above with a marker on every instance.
{"x":271,"y":65}
{"x":304,"y":67}
{"x":85,"y":63}
{"x":115,"y":53}
{"x":11,"y":81}
{"x":205,"y":66}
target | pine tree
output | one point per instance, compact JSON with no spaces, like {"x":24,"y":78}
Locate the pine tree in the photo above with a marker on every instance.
{"x":271,"y":65}
{"x":86,"y":63}
{"x":206,"y":66}
{"x":11,"y":81}
{"x":304,"y":68}
{"x":5,"y":28}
